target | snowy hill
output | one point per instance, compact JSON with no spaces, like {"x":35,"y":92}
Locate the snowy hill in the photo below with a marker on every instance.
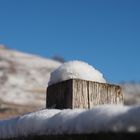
{"x":132,"y":93}
{"x":23,"y":79}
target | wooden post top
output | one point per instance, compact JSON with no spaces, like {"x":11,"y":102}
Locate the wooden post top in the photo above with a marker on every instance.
{"x":76,"y":93}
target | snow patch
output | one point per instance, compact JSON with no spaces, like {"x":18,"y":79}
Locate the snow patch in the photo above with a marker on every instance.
{"x":76,"y":70}
{"x":105,"y":118}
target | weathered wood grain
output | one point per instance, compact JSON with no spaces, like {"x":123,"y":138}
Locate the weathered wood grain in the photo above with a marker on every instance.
{"x":77,"y":93}
{"x":59,"y":95}
{"x":80,"y":94}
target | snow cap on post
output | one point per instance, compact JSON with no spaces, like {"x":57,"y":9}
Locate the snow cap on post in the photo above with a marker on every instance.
{"x":76,"y":70}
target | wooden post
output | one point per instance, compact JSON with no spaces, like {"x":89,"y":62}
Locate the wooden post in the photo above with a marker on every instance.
{"x":75,"y":93}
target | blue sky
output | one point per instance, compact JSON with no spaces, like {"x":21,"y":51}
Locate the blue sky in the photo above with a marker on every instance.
{"x":104,"y":33}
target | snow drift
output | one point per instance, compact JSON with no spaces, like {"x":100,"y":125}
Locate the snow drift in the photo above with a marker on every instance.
{"x":76,"y":70}
{"x":107,"y":118}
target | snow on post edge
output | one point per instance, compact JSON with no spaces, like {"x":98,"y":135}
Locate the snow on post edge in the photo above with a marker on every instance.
{"x":76,"y":70}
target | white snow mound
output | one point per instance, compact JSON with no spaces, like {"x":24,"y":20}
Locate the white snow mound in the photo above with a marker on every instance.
{"x":76,"y":70}
{"x":105,"y":118}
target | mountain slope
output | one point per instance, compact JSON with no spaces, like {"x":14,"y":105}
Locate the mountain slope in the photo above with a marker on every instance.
{"x":23,"y":78}
{"x":131,"y":91}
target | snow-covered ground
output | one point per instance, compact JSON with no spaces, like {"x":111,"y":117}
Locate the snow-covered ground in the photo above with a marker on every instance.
{"x":131,"y":91}
{"x":24,"y":77}
{"x":107,"y":118}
